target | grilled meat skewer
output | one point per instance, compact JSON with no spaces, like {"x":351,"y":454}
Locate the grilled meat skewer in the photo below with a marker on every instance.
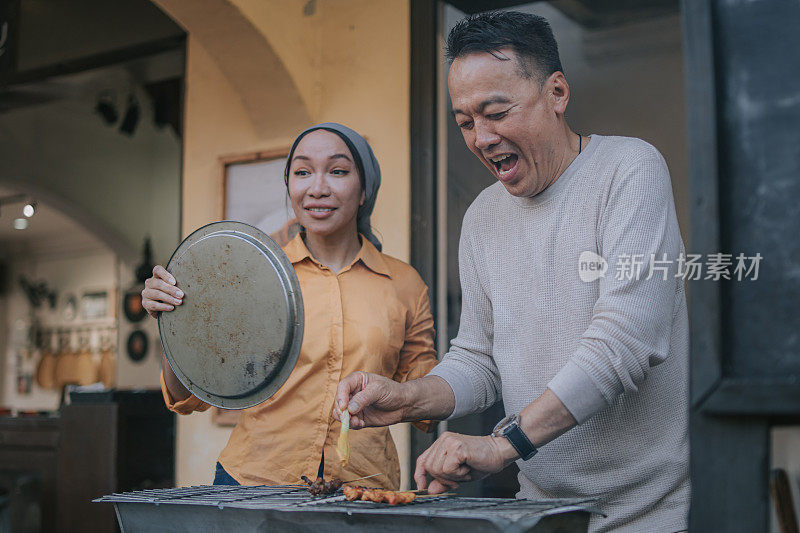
{"x":319,"y":486}
{"x":353,"y":493}
{"x":391,"y":497}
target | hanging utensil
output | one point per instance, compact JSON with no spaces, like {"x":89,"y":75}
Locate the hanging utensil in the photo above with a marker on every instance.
{"x":46,"y":371}
{"x":106,"y":374}
{"x":85,"y":365}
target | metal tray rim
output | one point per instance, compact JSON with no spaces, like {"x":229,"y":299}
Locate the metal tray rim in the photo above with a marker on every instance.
{"x":287,"y":276}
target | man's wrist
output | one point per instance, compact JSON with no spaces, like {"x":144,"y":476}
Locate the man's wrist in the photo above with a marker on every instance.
{"x":426,"y":398}
{"x":510,"y":429}
{"x":407,"y":407}
{"x":507,"y":452}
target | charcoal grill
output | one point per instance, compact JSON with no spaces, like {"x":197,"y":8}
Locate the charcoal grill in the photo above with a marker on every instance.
{"x":291,"y":509}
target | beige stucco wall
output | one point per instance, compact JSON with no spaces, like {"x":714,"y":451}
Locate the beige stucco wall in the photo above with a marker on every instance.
{"x":350,"y":63}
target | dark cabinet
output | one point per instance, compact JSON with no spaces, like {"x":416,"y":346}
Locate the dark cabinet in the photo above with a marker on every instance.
{"x":28,"y":470}
{"x":99,"y":444}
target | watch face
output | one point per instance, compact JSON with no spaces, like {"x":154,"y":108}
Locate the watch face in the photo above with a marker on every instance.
{"x":502,"y":426}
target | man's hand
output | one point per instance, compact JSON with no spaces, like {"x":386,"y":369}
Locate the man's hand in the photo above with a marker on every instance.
{"x":378,"y":401}
{"x":456,"y":458}
{"x":372,"y":400}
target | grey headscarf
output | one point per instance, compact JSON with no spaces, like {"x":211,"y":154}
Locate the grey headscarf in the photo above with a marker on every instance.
{"x":368,"y":169}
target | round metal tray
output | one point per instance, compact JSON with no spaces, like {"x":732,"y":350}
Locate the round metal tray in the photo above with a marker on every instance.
{"x":236,"y":337}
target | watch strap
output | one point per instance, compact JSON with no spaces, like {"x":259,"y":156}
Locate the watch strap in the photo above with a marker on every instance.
{"x":520,"y":441}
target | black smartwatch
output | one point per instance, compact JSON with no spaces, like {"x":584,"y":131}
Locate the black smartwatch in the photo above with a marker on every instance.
{"x":509,"y":428}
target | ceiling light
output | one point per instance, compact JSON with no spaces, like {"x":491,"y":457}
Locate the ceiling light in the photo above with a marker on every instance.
{"x":29,"y":209}
{"x":20,"y":223}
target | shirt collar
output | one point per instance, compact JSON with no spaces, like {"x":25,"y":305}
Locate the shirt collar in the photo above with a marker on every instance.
{"x":372,"y":258}
{"x":296,"y":251}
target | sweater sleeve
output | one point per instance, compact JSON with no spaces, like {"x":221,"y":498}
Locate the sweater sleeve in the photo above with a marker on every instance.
{"x":629,"y":332}
{"x":468,"y":367}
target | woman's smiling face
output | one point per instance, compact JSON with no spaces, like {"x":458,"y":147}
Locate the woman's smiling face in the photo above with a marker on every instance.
{"x":324,"y":184}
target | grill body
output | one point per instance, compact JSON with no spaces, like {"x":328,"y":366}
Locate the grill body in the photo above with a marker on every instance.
{"x":291,"y":509}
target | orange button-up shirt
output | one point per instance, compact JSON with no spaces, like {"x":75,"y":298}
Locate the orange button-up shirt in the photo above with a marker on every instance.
{"x":374,"y":316}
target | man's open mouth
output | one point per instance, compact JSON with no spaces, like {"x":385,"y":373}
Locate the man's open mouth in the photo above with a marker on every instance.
{"x":504,"y":163}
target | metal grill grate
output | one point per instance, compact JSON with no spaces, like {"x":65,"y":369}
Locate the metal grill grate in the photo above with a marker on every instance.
{"x":296,"y":503}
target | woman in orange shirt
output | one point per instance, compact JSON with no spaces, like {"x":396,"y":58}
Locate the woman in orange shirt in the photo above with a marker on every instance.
{"x":363,"y":311}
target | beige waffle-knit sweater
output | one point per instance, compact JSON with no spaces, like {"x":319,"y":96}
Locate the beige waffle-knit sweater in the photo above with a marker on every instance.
{"x":615,"y":351}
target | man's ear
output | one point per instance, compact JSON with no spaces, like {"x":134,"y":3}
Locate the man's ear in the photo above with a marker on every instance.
{"x":363,"y":198}
{"x":558,"y":89}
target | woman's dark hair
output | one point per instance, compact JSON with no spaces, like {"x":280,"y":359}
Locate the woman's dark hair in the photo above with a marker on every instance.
{"x":530,"y":36}
{"x":353,"y":153}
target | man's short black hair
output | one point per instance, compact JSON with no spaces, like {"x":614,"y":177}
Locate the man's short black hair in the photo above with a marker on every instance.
{"x":528,"y":35}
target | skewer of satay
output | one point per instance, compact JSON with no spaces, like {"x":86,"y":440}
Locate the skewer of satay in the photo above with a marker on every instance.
{"x":391,"y":497}
{"x":372,"y":495}
{"x":319,"y":486}
{"x":353,"y":492}
{"x":395,"y":498}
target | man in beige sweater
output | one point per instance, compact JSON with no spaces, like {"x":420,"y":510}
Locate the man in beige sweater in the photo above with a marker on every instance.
{"x":572,"y":310}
